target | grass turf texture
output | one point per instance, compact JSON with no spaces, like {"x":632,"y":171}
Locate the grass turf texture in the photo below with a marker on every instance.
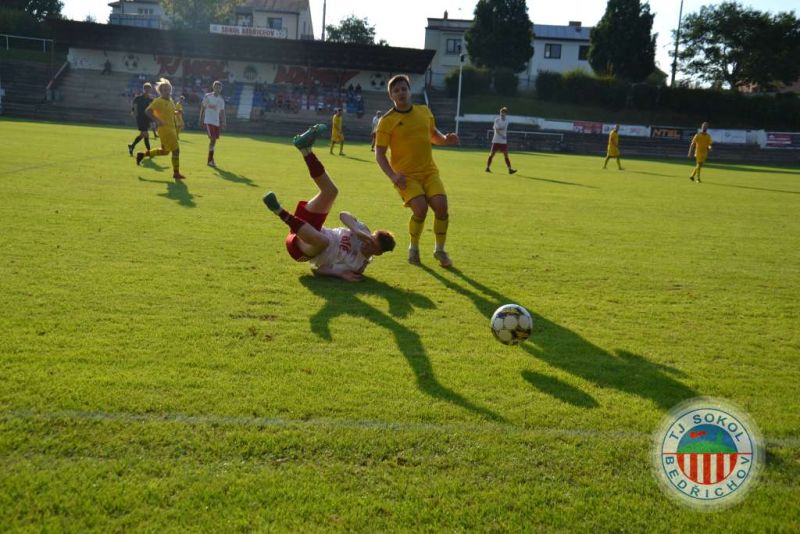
{"x":165,"y":366}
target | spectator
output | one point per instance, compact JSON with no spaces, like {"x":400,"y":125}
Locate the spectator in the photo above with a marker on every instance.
{"x":106,"y":67}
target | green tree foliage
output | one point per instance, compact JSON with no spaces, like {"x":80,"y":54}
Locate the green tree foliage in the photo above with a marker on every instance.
{"x":38,"y":9}
{"x":622,"y":44}
{"x":198,"y":14}
{"x":730,"y":45}
{"x":352,"y":30}
{"x":500,"y":35}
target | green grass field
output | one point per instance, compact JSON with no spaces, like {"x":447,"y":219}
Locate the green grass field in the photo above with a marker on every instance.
{"x":164,"y":366}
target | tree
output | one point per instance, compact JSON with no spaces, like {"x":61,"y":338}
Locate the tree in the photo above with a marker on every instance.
{"x":198,"y":14}
{"x":352,"y":30}
{"x":728,"y":44}
{"x":38,"y":9}
{"x":622,"y":44}
{"x":500,"y":35}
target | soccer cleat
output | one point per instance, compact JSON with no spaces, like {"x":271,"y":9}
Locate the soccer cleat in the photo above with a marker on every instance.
{"x":307,"y":138}
{"x":139,"y":158}
{"x":130,"y":150}
{"x":413,"y":256}
{"x":271,"y":201}
{"x":178,"y":176}
{"x":691,"y":178}
{"x":342,"y":154}
{"x":698,"y":180}
{"x":512,"y":171}
{"x":488,"y":169}
{"x":211,"y":163}
{"x":444,"y":259}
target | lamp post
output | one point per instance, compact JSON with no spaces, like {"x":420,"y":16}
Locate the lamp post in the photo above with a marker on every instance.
{"x":677,"y":39}
{"x":324,"y":6}
{"x":460,"y":72}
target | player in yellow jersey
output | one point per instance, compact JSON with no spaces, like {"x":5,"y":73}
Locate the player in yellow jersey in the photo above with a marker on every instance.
{"x":701,"y":144}
{"x":337,"y":135}
{"x":162,"y":111}
{"x":408,"y":131}
{"x":180,"y":124}
{"x":613,"y":147}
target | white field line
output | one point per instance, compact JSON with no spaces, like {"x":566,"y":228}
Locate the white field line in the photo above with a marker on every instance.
{"x":346,"y":424}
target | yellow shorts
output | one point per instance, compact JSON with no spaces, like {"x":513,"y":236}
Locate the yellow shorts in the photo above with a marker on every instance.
{"x":337,"y":137}
{"x":169,"y":139}
{"x":428,"y":185}
{"x":700,"y":158}
{"x":613,"y":152}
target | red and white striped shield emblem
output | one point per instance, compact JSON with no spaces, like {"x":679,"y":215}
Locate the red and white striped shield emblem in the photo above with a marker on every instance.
{"x":706,"y":468}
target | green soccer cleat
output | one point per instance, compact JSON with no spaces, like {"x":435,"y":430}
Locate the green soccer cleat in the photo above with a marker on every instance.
{"x":307,"y":138}
{"x":271,"y":201}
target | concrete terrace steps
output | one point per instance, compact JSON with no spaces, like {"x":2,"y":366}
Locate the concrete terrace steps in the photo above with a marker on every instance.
{"x":25,"y":82}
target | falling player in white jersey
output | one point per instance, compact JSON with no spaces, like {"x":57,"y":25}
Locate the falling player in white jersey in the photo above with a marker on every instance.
{"x":500,"y":140}
{"x":344,"y":252}
{"x":212,"y":117}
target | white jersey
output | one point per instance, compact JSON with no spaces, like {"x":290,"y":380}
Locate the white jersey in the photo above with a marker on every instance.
{"x":500,"y":131}
{"x":375,"y":120}
{"x":213,"y":105}
{"x":343,"y":252}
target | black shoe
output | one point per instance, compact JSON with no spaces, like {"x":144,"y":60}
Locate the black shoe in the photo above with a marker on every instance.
{"x":130,"y":150}
{"x":512,"y":171}
{"x":139,"y":158}
{"x":271,"y":202}
{"x":488,"y":169}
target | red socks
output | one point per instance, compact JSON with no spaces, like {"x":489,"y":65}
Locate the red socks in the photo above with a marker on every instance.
{"x":315,"y":167}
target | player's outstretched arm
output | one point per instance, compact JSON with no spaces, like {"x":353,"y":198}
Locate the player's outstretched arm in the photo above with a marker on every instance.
{"x":355,"y":226}
{"x":438,"y":138}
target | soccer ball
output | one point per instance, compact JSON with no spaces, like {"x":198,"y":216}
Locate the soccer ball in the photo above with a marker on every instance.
{"x":511,"y":324}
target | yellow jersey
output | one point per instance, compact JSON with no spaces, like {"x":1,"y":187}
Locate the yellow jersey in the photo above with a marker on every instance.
{"x":164,"y":109}
{"x":702,"y":142}
{"x":337,"y":123}
{"x":407,"y":134}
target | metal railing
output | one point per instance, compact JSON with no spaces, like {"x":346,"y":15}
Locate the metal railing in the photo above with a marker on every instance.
{"x":8,"y":38}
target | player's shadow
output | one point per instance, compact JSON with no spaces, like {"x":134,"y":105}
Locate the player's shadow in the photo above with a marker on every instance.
{"x":741,"y":168}
{"x":344,"y":299}
{"x":353,"y":158}
{"x":148,"y":163}
{"x":564,"y":349}
{"x":559,"y":182}
{"x":176,"y":190}
{"x":753,"y":188}
{"x":660,"y":175}
{"x":235,"y":178}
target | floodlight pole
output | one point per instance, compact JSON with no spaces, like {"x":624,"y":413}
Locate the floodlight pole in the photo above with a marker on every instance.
{"x":677,"y":40}
{"x":460,"y":72}
{"x":324,"y":6}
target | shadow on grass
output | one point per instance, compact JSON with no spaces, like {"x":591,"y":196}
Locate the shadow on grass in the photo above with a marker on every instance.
{"x":148,"y":163}
{"x":753,"y":188}
{"x":343,"y":299}
{"x":235,"y":178}
{"x":353,"y":158}
{"x":560,"y":182}
{"x":744,"y":168}
{"x":176,"y":190}
{"x":566,"y":350}
{"x":660,"y":175}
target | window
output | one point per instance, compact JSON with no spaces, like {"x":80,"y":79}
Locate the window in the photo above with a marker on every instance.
{"x":552,"y":51}
{"x":583,"y":53}
{"x":454,"y":46}
{"x":275,"y":23}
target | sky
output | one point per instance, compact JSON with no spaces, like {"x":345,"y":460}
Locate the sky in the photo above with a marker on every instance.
{"x":407,"y":28}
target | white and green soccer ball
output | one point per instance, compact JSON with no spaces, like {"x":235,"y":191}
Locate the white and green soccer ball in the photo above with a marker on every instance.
{"x":511,"y":324}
